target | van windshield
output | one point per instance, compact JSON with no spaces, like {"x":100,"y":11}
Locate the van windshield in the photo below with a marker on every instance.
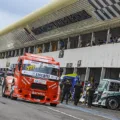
{"x":40,"y":69}
{"x":102,"y":85}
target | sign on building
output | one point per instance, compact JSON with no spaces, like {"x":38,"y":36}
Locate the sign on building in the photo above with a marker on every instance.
{"x":79,"y":63}
{"x":69,"y":65}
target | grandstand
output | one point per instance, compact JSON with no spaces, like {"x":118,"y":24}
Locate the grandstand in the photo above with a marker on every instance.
{"x":83,"y":35}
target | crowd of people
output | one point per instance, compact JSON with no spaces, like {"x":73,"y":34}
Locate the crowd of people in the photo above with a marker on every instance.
{"x":112,"y":40}
{"x":94,"y":43}
{"x":81,"y":93}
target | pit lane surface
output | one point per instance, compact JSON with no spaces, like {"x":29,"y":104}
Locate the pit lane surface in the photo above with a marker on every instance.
{"x":21,"y":110}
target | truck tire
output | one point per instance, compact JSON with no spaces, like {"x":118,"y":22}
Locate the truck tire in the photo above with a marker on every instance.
{"x":0,"y":82}
{"x":53,"y":105}
{"x":3,"y":89}
{"x":11,"y":96}
{"x":112,"y":103}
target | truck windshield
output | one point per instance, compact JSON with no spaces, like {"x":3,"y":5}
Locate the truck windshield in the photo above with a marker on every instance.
{"x":40,"y":69}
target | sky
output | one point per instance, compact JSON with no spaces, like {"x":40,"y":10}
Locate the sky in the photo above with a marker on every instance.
{"x":13,"y":10}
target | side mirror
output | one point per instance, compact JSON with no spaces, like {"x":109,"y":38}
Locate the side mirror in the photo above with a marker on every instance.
{"x":14,"y":70}
{"x":9,"y":73}
{"x":19,"y":66}
{"x":61,"y":70}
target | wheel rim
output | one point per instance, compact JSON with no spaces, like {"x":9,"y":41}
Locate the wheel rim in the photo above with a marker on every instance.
{"x":113,"y":104}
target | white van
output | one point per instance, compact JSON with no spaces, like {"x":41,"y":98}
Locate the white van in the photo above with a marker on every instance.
{"x":108,"y":94}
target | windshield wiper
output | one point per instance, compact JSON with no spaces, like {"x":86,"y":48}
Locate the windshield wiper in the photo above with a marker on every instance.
{"x":27,"y":75}
{"x":53,"y":80}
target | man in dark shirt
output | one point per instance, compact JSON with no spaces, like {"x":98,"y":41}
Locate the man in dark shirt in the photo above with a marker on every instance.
{"x":78,"y":91}
{"x":66,"y":91}
{"x":91,"y":91}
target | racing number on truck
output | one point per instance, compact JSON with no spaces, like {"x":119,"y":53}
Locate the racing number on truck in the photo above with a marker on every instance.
{"x":31,"y":67}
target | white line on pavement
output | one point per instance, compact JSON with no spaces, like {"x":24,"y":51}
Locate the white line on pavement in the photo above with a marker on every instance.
{"x":65,"y":113}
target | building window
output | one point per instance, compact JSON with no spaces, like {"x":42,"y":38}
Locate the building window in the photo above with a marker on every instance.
{"x":74,"y":42}
{"x":86,"y":40}
{"x":39,"y":49}
{"x":63,"y":43}
{"x":76,"y":17}
{"x":21,"y":52}
{"x":54,"y":45}
{"x":101,"y":37}
{"x":17,"y":52}
{"x":47,"y":47}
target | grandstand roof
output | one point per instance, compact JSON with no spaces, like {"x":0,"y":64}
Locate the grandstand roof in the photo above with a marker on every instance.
{"x":53,"y":6}
{"x":58,"y":19}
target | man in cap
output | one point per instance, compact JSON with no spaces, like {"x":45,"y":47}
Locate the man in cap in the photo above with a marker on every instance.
{"x":66,"y":90}
{"x":78,"y":91}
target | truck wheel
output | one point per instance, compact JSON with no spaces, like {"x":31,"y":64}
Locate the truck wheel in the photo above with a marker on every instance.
{"x":53,"y":105}
{"x":112,"y":103}
{"x":11,"y":96}
{"x":3,"y":90}
{"x":0,"y":82}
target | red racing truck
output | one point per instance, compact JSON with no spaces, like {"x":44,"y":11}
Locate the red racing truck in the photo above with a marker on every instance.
{"x":35,"y":78}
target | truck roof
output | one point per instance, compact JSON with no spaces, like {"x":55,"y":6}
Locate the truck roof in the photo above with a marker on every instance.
{"x":39,"y":56}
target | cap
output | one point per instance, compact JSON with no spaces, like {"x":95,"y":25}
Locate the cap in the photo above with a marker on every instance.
{"x":88,"y":85}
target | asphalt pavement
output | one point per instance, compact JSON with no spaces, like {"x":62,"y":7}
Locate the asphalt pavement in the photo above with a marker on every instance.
{"x":21,"y":110}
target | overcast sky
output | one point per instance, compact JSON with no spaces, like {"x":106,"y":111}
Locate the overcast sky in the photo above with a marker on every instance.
{"x":13,"y":10}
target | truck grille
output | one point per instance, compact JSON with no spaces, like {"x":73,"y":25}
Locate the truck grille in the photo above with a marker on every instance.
{"x":40,"y":97}
{"x":38,"y":86}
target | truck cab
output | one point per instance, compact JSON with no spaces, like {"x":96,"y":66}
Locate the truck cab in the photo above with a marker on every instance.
{"x":108,"y":94}
{"x":35,"y":79}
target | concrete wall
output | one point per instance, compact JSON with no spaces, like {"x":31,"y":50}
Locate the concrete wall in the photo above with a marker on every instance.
{"x":12,"y":60}
{"x":107,"y":55}
{"x":98,"y":56}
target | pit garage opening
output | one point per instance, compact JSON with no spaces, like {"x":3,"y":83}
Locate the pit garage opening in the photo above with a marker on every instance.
{"x":69,"y":70}
{"x":81,"y":72}
{"x":112,"y":73}
{"x":94,"y":76}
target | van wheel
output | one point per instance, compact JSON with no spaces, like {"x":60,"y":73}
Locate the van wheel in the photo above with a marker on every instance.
{"x":3,"y":90}
{"x":53,"y":105}
{"x":112,"y":103}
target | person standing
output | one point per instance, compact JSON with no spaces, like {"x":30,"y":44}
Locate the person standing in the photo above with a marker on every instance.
{"x":66,"y":91}
{"x":91,"y":91}
{"x":87,"y":86}
{"x":78,"y":91}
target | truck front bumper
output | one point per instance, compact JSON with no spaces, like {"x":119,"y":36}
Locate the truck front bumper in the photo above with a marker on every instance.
{"x":38,"y":97}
